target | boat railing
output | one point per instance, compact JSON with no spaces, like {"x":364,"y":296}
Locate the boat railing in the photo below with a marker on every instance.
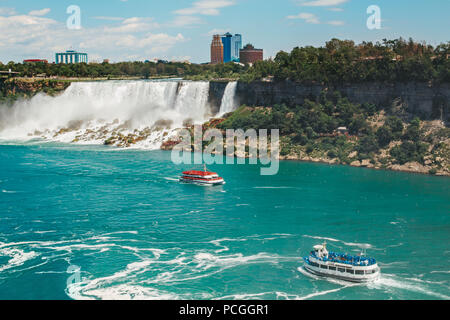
{"x":346,"y":259}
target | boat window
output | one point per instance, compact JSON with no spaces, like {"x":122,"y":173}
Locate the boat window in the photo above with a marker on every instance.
{"x":359,"y":272}
{"x":332,"y":268}
{"x":341,"y":269}
{"x":323,"y":267}
{"x":350,"y":271}
{"x":313,"y":264}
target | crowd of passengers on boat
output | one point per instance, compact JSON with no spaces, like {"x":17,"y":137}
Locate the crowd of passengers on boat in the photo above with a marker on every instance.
{"x":346,"y":259}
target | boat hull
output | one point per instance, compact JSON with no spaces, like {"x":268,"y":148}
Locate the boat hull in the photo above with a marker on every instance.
{"x":345,"y":276}
{"x":205,"y":183}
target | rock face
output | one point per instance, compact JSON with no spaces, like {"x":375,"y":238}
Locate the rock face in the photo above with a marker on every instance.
{"x":30,"y":87}
{"x":416,"y":98}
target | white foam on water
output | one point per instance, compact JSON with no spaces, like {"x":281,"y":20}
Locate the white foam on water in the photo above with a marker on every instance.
{"x":120,"y":232}
{"x":322,"y":238}
{"x":119,"y":292}
{"x":219,"y":244}
{"x":18,"y":257}
{"x":119,"y":286}
{"x":387,"y":281}
{"x":207,"y":260}
{"x":246,"y":296}
{"x":7,"y":191}
{"x":322,"y":293}
{"x":45,"y":232}
{"x":274,"y":187}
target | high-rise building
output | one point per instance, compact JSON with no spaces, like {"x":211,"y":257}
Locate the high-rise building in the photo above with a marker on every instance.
{"x":71,"y":56}
{"x":217,"y":50}
{"x":227,"y":46}
{"x":236,"y":46}
{"x":250,"y":55}
{"x":231,"y":46}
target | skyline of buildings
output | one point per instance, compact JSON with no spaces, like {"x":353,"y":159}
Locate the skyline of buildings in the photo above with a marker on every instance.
{"x":228,"y":48}
{"x":224,"y":48}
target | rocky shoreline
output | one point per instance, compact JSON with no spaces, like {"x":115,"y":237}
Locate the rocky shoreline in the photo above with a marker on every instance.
{"x":410,"y":167}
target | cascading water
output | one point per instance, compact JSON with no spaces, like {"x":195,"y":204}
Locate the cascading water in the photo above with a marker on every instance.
{"x":229,"y":99}
{"x":92,"y":112}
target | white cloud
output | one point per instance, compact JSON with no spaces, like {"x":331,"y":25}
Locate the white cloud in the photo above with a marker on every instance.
{"x":132,"y":25}
{"x":336,"y":9}
{"x":153,"y":42}
{"x":336,"y":23}
{"x":40,"y":13}
{"x":184,"y":21}
{"x":217,"y":31}
{"x":30,"y":36}
{"x":322,"y":3}
{"x":7,"y":11}
{"x":206,"y":7}
{"x":108,"y":18}
{"x":307,"y":17}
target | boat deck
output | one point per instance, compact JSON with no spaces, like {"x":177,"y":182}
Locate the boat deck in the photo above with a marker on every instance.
{"x":356,"y":261}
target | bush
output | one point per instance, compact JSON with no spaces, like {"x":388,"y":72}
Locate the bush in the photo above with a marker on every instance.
{"x":384,"y":136}
{"x":413,"y":132}
{"x":409,"y":152}
{"x":332,"y":154}
{"x":368,"y":144}
{"x":396,"y":127}
{"x":300,"y":139}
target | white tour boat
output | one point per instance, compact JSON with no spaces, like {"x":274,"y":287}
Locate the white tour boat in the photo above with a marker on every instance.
{"x":202,"y":177}
{"x":341,"y":266}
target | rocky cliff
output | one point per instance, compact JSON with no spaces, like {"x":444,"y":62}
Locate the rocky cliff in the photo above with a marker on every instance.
{"x":30,"y":87}
{"x":429,"y":102}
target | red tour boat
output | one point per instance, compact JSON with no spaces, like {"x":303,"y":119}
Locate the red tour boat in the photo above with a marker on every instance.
{"x":202,"y":177}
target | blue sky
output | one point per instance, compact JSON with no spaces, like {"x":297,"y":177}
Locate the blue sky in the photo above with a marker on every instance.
{"x":122,"y":30}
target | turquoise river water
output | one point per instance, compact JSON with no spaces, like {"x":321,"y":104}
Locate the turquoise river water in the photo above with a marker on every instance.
{"x":98,"y":223}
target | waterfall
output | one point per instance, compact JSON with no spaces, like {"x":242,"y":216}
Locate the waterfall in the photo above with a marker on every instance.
{"x":229,"y":99}
{"x":106,"y":107}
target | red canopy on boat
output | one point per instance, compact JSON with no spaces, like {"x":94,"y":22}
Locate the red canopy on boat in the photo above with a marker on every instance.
{"x":199,"y":173}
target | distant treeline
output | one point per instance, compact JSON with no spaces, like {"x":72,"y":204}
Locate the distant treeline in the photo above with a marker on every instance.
{"x":339,"y":61}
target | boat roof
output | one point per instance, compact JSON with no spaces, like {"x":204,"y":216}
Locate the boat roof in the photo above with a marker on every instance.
{"x":199,"y":173}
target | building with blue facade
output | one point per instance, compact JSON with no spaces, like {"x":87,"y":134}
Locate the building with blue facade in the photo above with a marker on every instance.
{"x":231,"y":47}
{"x":226,"y":40}
{"x":71,"y":56}
{"x":236,"y":46}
